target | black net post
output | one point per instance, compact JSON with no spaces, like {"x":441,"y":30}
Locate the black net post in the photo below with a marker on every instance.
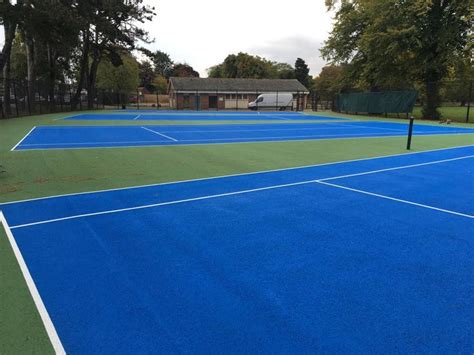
{"x":469,"y":99}
{"x":410,"y":132}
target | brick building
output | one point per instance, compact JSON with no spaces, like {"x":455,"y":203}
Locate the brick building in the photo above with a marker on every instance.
{"x":230,"y":94}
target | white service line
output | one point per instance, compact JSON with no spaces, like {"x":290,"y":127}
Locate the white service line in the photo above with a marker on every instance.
{"x":370,"y":127}
{"x":396,"y":168}
{"x":396,"y":199}
{"x":160,"y":134}
{"x":321,"y":181}
{"x":235,"y":175}
{"x":162,"y":204}
{"x":16,"y":145}
{"x":48,"y":324}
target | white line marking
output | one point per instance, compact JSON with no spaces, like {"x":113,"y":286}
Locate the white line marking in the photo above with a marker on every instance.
{"x":161,"y":204}
{"x":235,"y":175}
{"x":402,"y":129}
{"x":160,"y":134}
{"x":231,"y":193}
{"x":396,"y":199}
{"x":48,"y":324}
{"x":397,"y":168}
{"x":16,"y":145}
{"x":136,"y":118}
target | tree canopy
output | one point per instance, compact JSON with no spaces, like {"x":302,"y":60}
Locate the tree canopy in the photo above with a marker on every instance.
{"x":244,"y":65}
{"x":398,"y":43}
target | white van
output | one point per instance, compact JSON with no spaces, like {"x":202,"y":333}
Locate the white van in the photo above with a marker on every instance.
{"x":275,"y":100}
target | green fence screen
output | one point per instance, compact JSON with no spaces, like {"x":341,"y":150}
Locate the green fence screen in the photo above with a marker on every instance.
{"x":377,"y":102}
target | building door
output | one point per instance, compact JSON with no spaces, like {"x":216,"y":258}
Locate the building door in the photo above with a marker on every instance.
{"x":197,"y":102}
{"x":213,"y":102}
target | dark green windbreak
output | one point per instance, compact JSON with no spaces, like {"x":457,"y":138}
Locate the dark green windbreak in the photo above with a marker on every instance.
{"x":377,"y":102}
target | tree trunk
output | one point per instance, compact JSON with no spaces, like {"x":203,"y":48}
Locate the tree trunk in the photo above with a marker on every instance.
{"x":91,"y":83}
{"x":9,"y":28}
{"x":7,"y":89}
{"x":51,"y":76}
{"x":430,"y":107}
{"x":84,"y":68}
{"x":30,"y":64}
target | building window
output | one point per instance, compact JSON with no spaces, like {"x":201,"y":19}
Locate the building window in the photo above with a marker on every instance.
{"x":227,"y":96}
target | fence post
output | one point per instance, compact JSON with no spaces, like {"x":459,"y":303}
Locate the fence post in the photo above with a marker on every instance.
{"x":469,"y":102}
{"x":276,"y":108}
{"x":138,"y":100}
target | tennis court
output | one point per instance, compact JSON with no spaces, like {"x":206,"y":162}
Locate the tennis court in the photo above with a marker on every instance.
{"x":140,"y":115}
{"x":69,"y":137}
{"x":367,"y":255}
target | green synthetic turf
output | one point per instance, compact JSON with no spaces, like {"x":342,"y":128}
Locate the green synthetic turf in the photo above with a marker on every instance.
{"x":31,"y":174}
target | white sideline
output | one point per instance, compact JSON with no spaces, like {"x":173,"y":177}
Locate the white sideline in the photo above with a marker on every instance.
{"x":232,"y":175}
{"x":321,"y":181}
{"x":16,"y":145}
{"x":136,"y":118}
{"x":48,"y":324}
{"x":396,"y":199}
{"x":160,"y":134}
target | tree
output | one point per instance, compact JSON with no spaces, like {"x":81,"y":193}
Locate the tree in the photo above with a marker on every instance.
{"x":284,"y":71}
{"x":122,"y":79}
{"x":162,"y":62}
{"x":160,"y":85}
{"x":243,"y":65}
{"x":10,"y":15}
{"x":147,"y":75}
{"x":107,"y":27}
{"x":329,"y":82}
{"x":302,"y":72}
{"x":183,"y":70}
{"x":397,"y":43}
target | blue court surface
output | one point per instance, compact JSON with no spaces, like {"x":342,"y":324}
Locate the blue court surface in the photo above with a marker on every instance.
{"x":63,"y":137}
{"x":366,"y":256}
{"x":201,"y":116}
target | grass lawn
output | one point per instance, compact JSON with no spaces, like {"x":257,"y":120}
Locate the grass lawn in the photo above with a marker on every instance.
{"x":30,"y":174}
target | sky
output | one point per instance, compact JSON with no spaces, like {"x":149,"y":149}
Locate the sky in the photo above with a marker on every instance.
{"x":202,"y":33}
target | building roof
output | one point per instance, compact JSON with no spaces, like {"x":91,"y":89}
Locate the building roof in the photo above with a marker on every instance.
{"x":233,"y":85}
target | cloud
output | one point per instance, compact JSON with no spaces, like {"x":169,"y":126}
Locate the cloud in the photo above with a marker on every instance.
{"x":288,"y":49}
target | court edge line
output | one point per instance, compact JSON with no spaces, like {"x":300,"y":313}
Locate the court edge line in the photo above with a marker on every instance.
{"x":47,"y":322}
{"x":160,"y":134}
{"x":21,"y":140}
{"x":396,"y":199}
{"x":208,"y":197}
{"x":244,"y":142}
{"x":232,"y":175}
